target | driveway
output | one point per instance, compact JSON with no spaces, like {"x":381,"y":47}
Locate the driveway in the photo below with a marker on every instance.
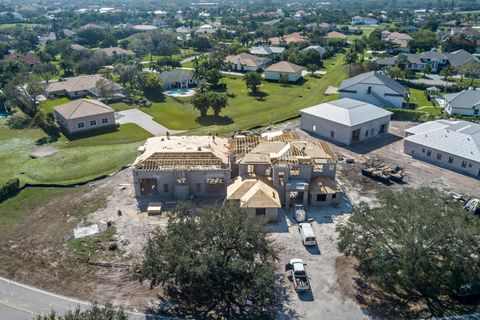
{"x":141,"y":119}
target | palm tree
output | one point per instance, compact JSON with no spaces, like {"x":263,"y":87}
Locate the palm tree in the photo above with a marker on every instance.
{"x":350,"y":57}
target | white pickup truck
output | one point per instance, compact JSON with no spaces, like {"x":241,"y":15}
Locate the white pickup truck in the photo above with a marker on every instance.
{"x":299,"y":275}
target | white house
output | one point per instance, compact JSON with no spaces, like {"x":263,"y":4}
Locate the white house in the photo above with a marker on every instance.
{"x":466,"y":103}
{"x":345,"y":121}
{"x":364,"y":20}
{"x":321,"y":50}
{"x":451,"y":144}
{"x":292,"y":71}
{"x":266,"y":50}
{"x":177,"y":79}
{"x":375,"y":88}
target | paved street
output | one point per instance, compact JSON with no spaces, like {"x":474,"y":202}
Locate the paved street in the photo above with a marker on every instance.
{"x":20,"y":302}
{"x":141,"y":119}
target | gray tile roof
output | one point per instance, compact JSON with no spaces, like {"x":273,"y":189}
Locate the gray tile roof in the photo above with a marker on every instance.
{"x":174,"y":76}
{"x":463,"y":99}
{"x":461,"y":57}
{"x":459,"y":138}
{"x":266,"y":50}
{"x":346,"y":111}
{"x":373,"y":78}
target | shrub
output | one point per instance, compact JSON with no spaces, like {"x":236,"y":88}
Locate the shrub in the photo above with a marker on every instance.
{"x":18,"y":121}
{"x":9,"y":189}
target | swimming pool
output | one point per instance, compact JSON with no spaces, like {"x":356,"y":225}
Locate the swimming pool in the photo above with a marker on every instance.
{"x":180,"y":92}
{"x":3,"y":113}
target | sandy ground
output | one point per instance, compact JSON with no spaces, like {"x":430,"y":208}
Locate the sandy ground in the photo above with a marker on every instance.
{"x":326,"y":299}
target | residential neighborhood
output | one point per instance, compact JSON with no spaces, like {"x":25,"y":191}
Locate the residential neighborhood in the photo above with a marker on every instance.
{"x":239,"y":159}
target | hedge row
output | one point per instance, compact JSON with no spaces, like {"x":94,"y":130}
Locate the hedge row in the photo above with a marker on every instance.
{"x":9,"y":189}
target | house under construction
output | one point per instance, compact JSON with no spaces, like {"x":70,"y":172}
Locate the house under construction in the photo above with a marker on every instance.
{"x":261,"y":172}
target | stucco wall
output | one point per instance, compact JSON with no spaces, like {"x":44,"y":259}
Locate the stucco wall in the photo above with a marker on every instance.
{"x":71,"y":125}
{"x":417,"y":151}
{"x":273,"y":75}
{"x":342,"y":134}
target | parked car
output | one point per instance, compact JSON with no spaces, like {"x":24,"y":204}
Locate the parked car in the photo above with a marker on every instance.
{"x":307,"y":234}
{"x":299,"y":275}
{"x":299,"y":213}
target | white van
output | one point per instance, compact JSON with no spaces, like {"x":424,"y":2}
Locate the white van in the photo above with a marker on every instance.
{"x":306,"y":232}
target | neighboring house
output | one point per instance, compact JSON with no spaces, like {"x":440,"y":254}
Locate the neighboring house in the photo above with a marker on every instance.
{"x":82,"y":86}
{"x":465,"y":103}
{"x":345,"y":121}
{"x":375,"y":88}
{"x":335,"y":35}
{"x":436,"y":60}
{"x":29,"y":59}
{"x":49,"y":37}
{"x":414,"y":63}
{"x":266,"y":50}
{"x":321,"y":50}
{"x":294,"y":37}
{"x":84,"y":114}
{"x":182,"y":168}
{"x":116,"y":52}
{"x":451,"y":144}
{"x":91,"y":26}
{"x":247,"y":62}
{"x":357,"y":20}
{"x":79,"y":47}
{"x":205,"y":29}
{"x":183,"y":31}
{"x":291,"y":70}
{"x":144,"y":27}
{"x":400,"y":40}
{"x":68,"y":33}
{"x":177,"y":79}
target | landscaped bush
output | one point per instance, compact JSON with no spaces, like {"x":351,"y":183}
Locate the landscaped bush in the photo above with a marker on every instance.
{"x":18,"y":121}
{"x":9,"y":189}
{"x":406,"y":114}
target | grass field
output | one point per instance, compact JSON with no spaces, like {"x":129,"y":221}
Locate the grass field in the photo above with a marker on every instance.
{"x":276,"y":103}
{"x":48,"y":105}
{"x":76,"y":161}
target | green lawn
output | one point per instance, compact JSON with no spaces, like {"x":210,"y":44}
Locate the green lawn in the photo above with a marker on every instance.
{"x":76,"y":161}
{"x":418,"y":97}
{"x":48,"y":105}
{"x":245,"y":111}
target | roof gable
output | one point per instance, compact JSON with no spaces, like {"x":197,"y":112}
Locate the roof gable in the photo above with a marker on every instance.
{"x":82,"y":108}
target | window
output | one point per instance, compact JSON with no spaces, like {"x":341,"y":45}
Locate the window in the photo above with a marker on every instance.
{"x":198,"y":187}
{"x":332,"y":134}
{"x":475,"y":112}
{"x":450,"y":159}
{"x":260,"y":212}
{"x":321,"y":197}
{"x":334,"y":196}
{"x":366,"y":133}
{"x":105,"y":120}
{"x":369,"y":90}
{"x":439,"y":156}
{"x":165,"y":188}
{"x":181,"y":180}
{"x":423,"y":150}
{"x":464,"y":164}
{"x":314,"y":128}
{"x":429,"y":153}
{"x":80,"y":125}
{"x":373,"y":131}
{"x":469,"y":164}
{"x":93,"y":123}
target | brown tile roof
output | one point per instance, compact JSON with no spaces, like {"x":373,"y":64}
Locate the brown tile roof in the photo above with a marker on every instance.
{"x":115,"y":50}
{"x":335,"y":35}
{"x":82,"y":108}
{"x":284,"y":66}
{"x":289,"y":38}
{"x":246,"y":59}
{"x":73,"y":84}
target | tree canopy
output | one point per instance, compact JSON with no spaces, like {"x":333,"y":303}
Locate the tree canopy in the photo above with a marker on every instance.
{"x":415,"y":242}
{"x":213,"y":262}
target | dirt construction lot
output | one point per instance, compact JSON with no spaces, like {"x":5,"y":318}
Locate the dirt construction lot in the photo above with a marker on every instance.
{"x":326,"y":300}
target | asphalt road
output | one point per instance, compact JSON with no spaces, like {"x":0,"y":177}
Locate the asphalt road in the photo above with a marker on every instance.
{"x":21,"y":302}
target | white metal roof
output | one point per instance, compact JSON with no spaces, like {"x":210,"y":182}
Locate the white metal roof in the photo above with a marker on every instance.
{"x":460,"y":138}
{"x":346,"y":111}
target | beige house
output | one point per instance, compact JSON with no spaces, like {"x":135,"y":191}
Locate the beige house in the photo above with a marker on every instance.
{"x":247,"y":62}
{"x":116,"y":52}
{"x":82,"y":86}
{"x":292,"y":71}
{"x":83,"y":115}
